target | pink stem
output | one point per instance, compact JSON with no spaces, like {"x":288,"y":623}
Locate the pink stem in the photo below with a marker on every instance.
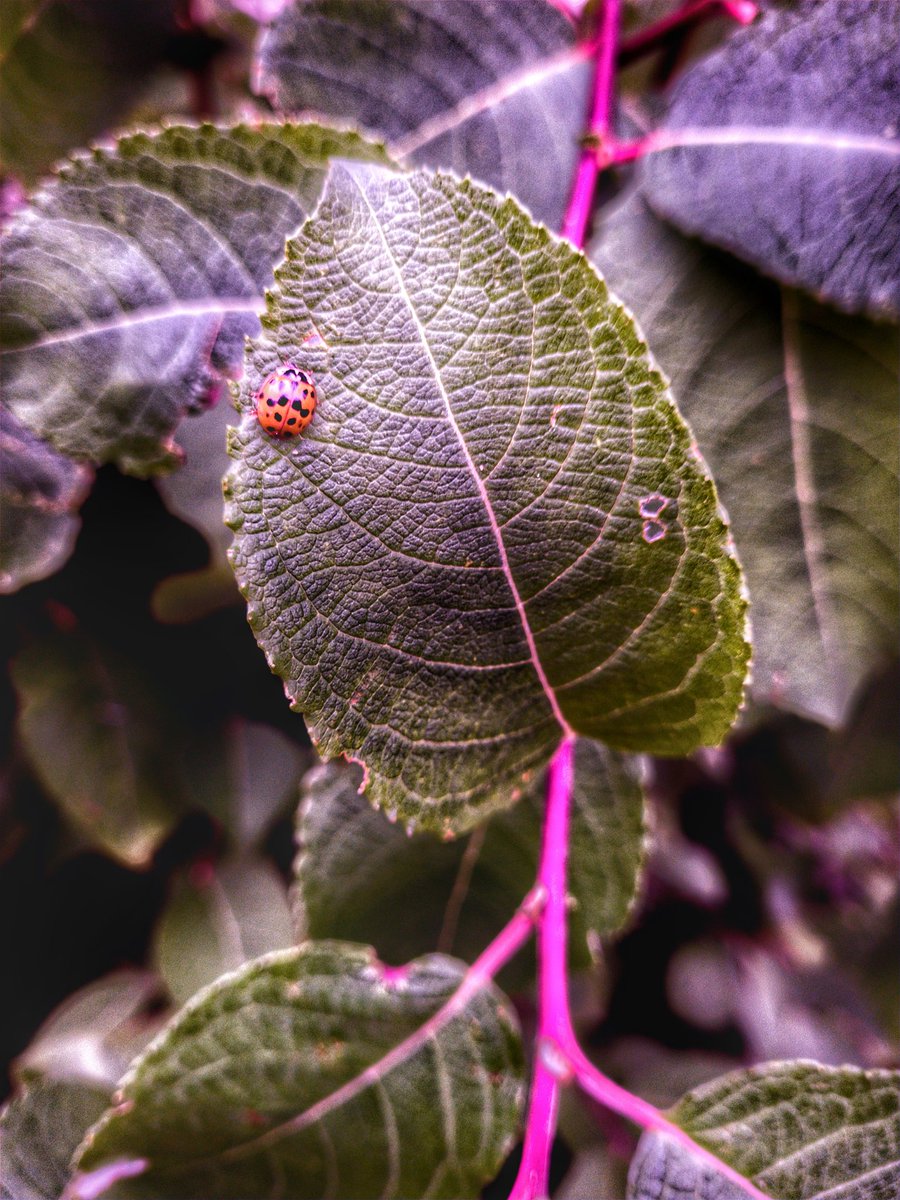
{"x":612,"y":1096}
{"x":575,"y":222}
{"x":601,"y":148}
{"x":554,"y":1030}
{"x":93,"y":1184}
{"x":654,"y":36}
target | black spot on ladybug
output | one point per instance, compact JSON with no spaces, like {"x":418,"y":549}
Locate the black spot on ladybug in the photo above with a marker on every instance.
{"x":270,"y":402}
{"x":292,"y":421}
{"x":282,"y":400}
{"x":304,"y":412}
{"x":295,"y":404}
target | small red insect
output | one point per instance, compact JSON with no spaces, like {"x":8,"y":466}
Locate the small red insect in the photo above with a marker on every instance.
{"x":286,"y":401}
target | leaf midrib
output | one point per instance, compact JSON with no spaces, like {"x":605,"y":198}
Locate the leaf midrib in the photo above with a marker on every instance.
{"x":474,"y":473}
{"x":770,"y":135}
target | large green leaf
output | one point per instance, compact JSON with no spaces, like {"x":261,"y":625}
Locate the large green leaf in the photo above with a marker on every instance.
{"x":485,"y":87}
{"x":795,"y":408}
{"x":216,"y":920}
{"x":96,"y":736}
{"x":272,"y":1081}
{"x":356,"y":870}
{"x":800,"y":1131}
{"x":40,"y":1129}
{"x":40,"y":491}
{"x":497,"y":528}
{"x":71,"y":70}
{"x":784,"y":147}
{"x":133,"y":277}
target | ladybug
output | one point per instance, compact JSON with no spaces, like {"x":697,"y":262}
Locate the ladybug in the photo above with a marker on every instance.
{"x":286,"y":401}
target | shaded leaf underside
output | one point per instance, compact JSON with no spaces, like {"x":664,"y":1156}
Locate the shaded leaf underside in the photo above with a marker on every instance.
{"x":784,"y":147}
{"x":795,"y":408}
{"x":496,"y":529}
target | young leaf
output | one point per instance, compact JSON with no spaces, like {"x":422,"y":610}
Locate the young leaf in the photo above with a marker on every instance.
{"x":40,"y":1130}
{"x":96,"y":1032}
{"x":799,"y":1130}
{"x":216,"y":922}
{"x":489,"y":89}
{"x":94,"y":734}
{"x":784,"y":147}
{"x":355,"y":870}
{"x":247,"y":777}
{"x":138,"y":271}
{"x":496,"y":530}
{"x":41,"y":492}
{"x":795,"y":408}
{"x":70,"y":71}
{"x":273,"y":1080}
{"x":194,"y":493}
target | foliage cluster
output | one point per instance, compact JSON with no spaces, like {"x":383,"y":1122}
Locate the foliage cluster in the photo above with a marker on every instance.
{"x":548,"y":479}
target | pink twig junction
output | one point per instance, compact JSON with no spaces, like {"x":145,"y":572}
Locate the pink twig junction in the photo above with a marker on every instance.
{"x":600,"y":147}
{"x":596,"y":141}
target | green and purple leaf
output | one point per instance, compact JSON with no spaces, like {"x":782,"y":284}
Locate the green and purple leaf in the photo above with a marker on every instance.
{"x":795,"y":408}
{"x":497,"y":529}
{"x":131,"y":280}
{"x":305,"y":1072}
{"x":489,"y":89}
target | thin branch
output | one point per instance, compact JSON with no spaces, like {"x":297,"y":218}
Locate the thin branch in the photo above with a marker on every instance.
{"x":659,"y":34}
{"x":550,"y":1070}
{"x":618,"y":1099}
{"x":575,"y":222}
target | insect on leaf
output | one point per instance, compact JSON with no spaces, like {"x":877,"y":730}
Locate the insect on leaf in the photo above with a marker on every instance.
{"x":496,"y":530}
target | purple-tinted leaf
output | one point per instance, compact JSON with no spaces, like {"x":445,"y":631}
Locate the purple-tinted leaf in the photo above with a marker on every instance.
{"x":798,"y":1130}
{"x":488,"y":88}
{"x":784,"y":147}
{"x":131,"y":280}
{"x":41,"y":492}
{"x":795,"y":407}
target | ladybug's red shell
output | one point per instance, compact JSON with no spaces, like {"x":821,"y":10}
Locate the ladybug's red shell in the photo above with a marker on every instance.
{"x":286,"y":401}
